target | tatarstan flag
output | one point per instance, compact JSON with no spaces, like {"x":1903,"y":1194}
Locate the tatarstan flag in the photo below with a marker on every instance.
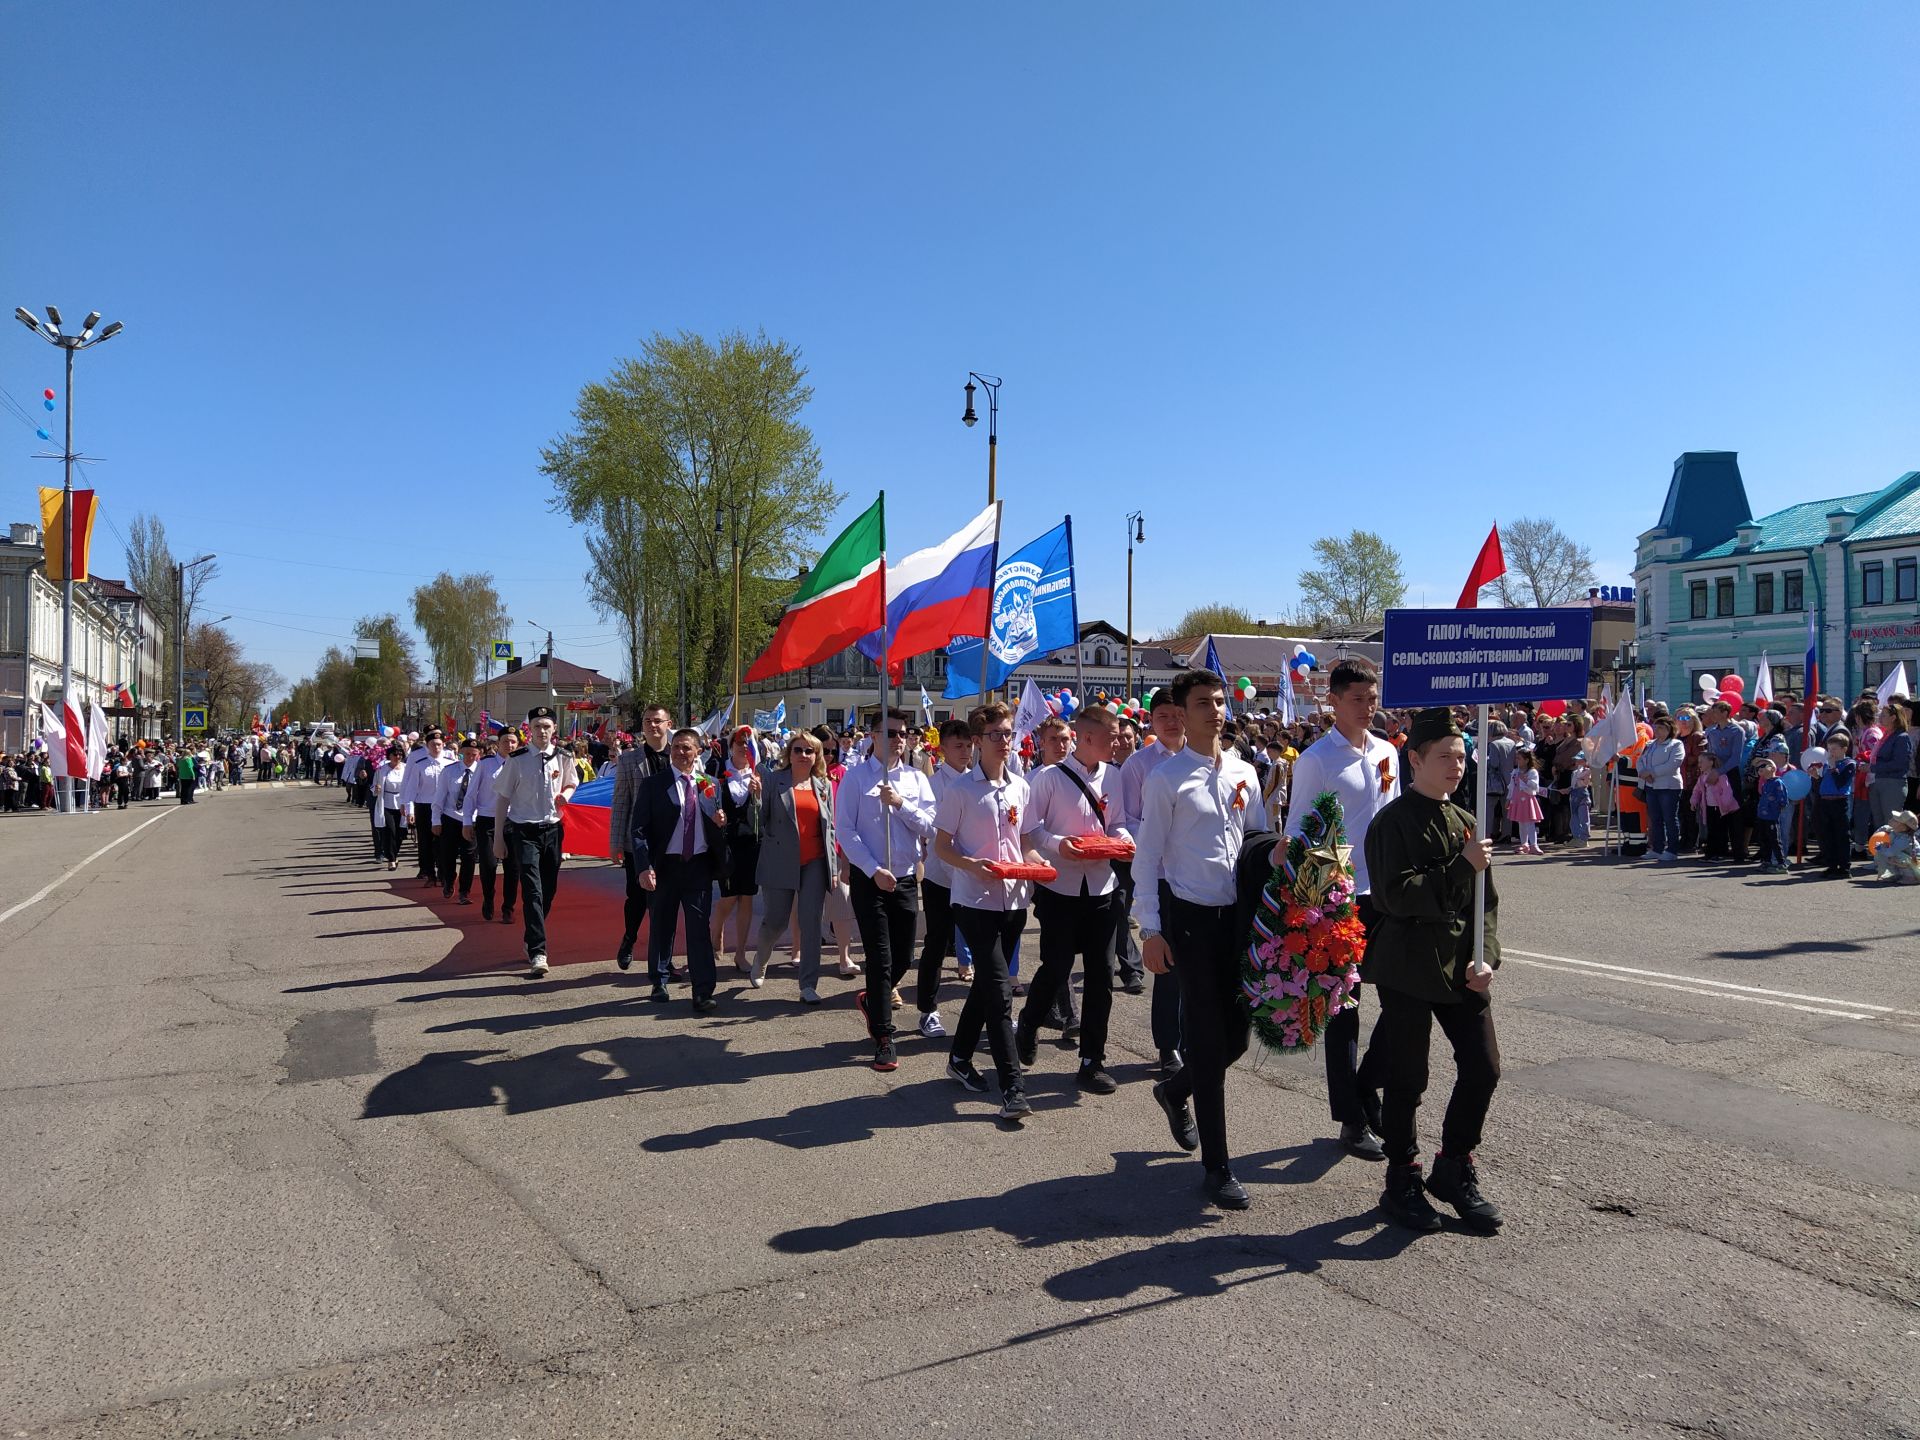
{"x":843,"y":597}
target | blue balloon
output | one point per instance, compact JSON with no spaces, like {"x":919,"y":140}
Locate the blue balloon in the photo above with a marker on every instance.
{"x":48,"y":404}
{"x":43,"y":434}
{"x":1799,"y":784}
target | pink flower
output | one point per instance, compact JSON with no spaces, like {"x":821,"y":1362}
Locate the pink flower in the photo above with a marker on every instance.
{"x":1314,"y":916}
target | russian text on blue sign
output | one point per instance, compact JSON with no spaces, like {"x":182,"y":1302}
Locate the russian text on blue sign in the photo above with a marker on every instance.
{"x":1480,"y":657}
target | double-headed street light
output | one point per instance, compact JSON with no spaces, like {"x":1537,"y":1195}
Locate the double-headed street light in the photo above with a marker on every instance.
{"x":49,"y":330}
{"x":1136,"y":535}
{"x":970,"y":419}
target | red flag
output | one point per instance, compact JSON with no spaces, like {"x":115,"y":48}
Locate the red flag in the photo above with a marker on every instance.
{"x":76,"y":745}
{"x":1489,"y":567}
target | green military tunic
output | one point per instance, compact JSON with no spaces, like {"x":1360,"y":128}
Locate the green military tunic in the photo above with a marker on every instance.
{"x":1423,"y":890}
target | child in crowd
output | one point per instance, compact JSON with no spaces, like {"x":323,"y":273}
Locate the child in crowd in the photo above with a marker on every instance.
{"x":1523,"y":800}
{"x":1895,"y":850}
{"x":1833,"y":796}
{"x":1580,"y":799}
{"x":1713,"y":801}
{"x":1770,"y":803}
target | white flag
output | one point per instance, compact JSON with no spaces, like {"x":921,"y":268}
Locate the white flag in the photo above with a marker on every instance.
{"x":1287,"y":714}
{"x":1600,"y":746}
{"x":96,"y":740}
{"x":55,"y":734}
{"x":1033,"y":709}
{"x":1763,"y":682}
{"x":926,"y":705}
{"x":717,"y":721}
{"x":1894,"y":684}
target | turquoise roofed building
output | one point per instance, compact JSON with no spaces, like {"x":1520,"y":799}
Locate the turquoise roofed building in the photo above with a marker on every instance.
{"x":1719,"y":590}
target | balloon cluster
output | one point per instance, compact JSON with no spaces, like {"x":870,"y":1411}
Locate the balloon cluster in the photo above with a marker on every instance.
{"x":46,"y":400}
{"x":1064,"y":704}
{"x":1244,"y":691}
{"x":1303,"y":662}
{"x":1730,"y":688}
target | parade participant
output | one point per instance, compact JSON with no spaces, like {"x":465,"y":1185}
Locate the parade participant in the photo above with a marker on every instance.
{"x":527,"y":797}
{"x":1133,"y":975}
{"x":675,"y":841}
{"x":936,"y":887}
{"x":1168,"y":722}
{"x":1192,"y":819}
{"x":423,"y":780}
{"x":979,"y":823}
{"x":477,"y":828}
{"x":883,"y":810}
{"x":647,"y":758}
{"x":796,"y":859}
{"x":1052,"y":739}
{"x":1361,"y":769}
{"x":1422,"y":856}
{"x":738,"y":862}
{"x":449,"y":824}
{"x":1079,"y":910}
{"x":387,"y":810}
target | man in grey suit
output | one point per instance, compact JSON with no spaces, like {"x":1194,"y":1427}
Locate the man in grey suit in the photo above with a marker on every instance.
{"x":1501,"y":753}
{"x":647,"y":758}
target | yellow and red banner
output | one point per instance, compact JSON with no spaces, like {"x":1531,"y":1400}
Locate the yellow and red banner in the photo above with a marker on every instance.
{"x":53,"y":532}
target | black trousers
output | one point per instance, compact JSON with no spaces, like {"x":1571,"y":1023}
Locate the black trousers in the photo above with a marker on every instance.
{"x":1126,"y":954}
{"x":1836,"y":838}
{"x":683,"y":887}
{"x":456,"y":854}
{"x":423,"y":832}
{"x":509,"y":873}
{"x":1349,"y":1078}
{"x":386,"y":835}
{"x":1206,"y":963}
{"x":935,"y":944}
{"x":1403,"y":1036}
{"x":887,"y":920}
{"x":636,"y":908}
{"x":534,"y":851}
{"x":991,"y":936}
{"x":1073,"y":926}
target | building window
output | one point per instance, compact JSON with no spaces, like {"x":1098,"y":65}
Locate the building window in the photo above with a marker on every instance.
{"x":1646,"y":609}
{"x":1793,"y":591}
{"x":1698,"y":592}
{"x":1903,"y":579}
{"x":1874,"y":671}
{"x":1100,"y":656}
{"x":1788,"y":679}
{"x":1723,"y":595}
{"x":1873,"y":584}
{"x":1763,"y":594}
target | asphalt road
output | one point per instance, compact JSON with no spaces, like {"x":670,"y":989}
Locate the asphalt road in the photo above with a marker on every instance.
{"x":291,"y":1151}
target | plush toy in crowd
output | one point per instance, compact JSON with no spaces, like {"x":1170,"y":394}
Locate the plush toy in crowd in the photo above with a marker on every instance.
{"x":1895,"y":849}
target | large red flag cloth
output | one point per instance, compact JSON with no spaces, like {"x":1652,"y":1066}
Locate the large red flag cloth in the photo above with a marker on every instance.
{"x":1489,"y":567}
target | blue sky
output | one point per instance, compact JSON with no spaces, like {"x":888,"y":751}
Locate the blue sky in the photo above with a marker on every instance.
{"x":1263,"y":271}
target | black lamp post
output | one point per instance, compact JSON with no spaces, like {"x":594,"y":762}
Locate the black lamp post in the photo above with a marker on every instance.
{"x":991,"y":383}
{"x":1136,"y":535}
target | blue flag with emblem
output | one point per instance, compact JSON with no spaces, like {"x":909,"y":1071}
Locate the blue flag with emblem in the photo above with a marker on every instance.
{"x":1035,"y":612}
{"x":773,"y":719}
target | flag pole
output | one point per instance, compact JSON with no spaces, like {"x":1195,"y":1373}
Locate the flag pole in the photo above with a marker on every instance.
{"x":879,"y":752}
{"x":1480,"y":830}
{"x":1079,"y":673}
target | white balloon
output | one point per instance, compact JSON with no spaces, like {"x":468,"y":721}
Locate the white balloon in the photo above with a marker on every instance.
{"x":1709,"y":685}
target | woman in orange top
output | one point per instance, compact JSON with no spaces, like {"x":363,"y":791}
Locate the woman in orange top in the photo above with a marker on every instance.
{"x":796,"y":859}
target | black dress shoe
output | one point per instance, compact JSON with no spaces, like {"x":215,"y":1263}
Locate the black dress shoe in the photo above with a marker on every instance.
{"x":1456,"y":1183}
{"x":659,"y":995}
{"x":704,"y":1004}
{"x":1095,"y":1080}
{"x":1026,"y":1046}
{"x":1225,"y":1191}
{"x":1360,"y":1142}
{"x":624,"y":959}
{"x":1186,"y":1134}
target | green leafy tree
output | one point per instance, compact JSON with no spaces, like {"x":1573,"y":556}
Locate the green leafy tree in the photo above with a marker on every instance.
{"x":458,"y":614}
{"x":703,"y":440}
{"x":1215,"y":620}
{"x":1358,"y":579}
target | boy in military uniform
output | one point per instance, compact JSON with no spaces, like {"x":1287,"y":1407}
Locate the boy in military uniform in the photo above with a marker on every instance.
{"x":1422,"y":856}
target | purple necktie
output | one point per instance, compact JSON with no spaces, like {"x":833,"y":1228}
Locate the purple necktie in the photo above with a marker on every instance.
{"x":686,"y":823}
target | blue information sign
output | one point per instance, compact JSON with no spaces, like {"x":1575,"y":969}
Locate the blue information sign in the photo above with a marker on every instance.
{"x":1482,"y":657}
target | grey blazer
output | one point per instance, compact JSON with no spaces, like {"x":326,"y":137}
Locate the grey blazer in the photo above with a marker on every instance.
{"x":633,"y":767}
{"x":780,"y":832}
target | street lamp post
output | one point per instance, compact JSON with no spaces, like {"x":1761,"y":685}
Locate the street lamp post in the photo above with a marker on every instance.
{"x":991,"y":383}
{"x":1866,"y":654}
{"x":72,"y":344}
{"x":180,"y":643}
{"x":1136,"y":535}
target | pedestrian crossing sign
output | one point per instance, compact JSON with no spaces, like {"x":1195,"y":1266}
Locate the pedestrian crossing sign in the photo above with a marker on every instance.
{"x":193,"y":719}
{"x":503,"y":649}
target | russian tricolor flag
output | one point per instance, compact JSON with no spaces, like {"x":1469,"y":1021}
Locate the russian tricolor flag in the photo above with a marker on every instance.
{"x":938,"y":593}
{"x":1813,"y":679}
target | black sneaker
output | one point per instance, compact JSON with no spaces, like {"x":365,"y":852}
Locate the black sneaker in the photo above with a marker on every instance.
{"x":1186,"y":1134}
{"x":624,"y":959}
{"x":1014,"y":1109}
{"x":1095,"y":1080}
{"x":1225,"y":1191}
{"x":659,"y":995}
{"x":1405,"y":1200}
{"x":1026,"y":1045}
{"x":884,"y":1058}
{"x":1360,"y":1142}
{"x":969,"y":1078}
{"x":1456,"y":1183}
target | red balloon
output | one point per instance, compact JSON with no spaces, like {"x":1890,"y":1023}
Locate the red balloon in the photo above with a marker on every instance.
{"x":1733,"y":683}
{"x":47,"y":394}
{"x":1553,"y":709}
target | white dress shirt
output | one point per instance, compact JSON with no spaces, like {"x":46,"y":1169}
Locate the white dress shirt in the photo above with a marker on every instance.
{"x":938,"y":872}
{"x":1353,"y":773}
{"x":1133,"y":778}
{"x":481,"y":793}
{"x":861,"y":823}
{"x":530,"y":785}
{"x":1193,"y":817}
{"x":1057,"y":809}
{"x":423,"y":778}
{"x":687,"y":796}
{"x":447,"y":800}
{"x":985,"y":819}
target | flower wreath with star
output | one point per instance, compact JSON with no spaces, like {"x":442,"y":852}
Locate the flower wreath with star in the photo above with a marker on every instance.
{"x":1301,"y":965}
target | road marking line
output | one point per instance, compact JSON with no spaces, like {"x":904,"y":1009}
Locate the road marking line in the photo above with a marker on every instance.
{"x":52,"y":885}
{"x":1716,"y":985}
{"x":1693,"y":990}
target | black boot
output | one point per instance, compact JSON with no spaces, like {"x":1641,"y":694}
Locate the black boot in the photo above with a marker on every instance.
{"x":1405,"y":1200}
{"x":1454,"y":1182}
